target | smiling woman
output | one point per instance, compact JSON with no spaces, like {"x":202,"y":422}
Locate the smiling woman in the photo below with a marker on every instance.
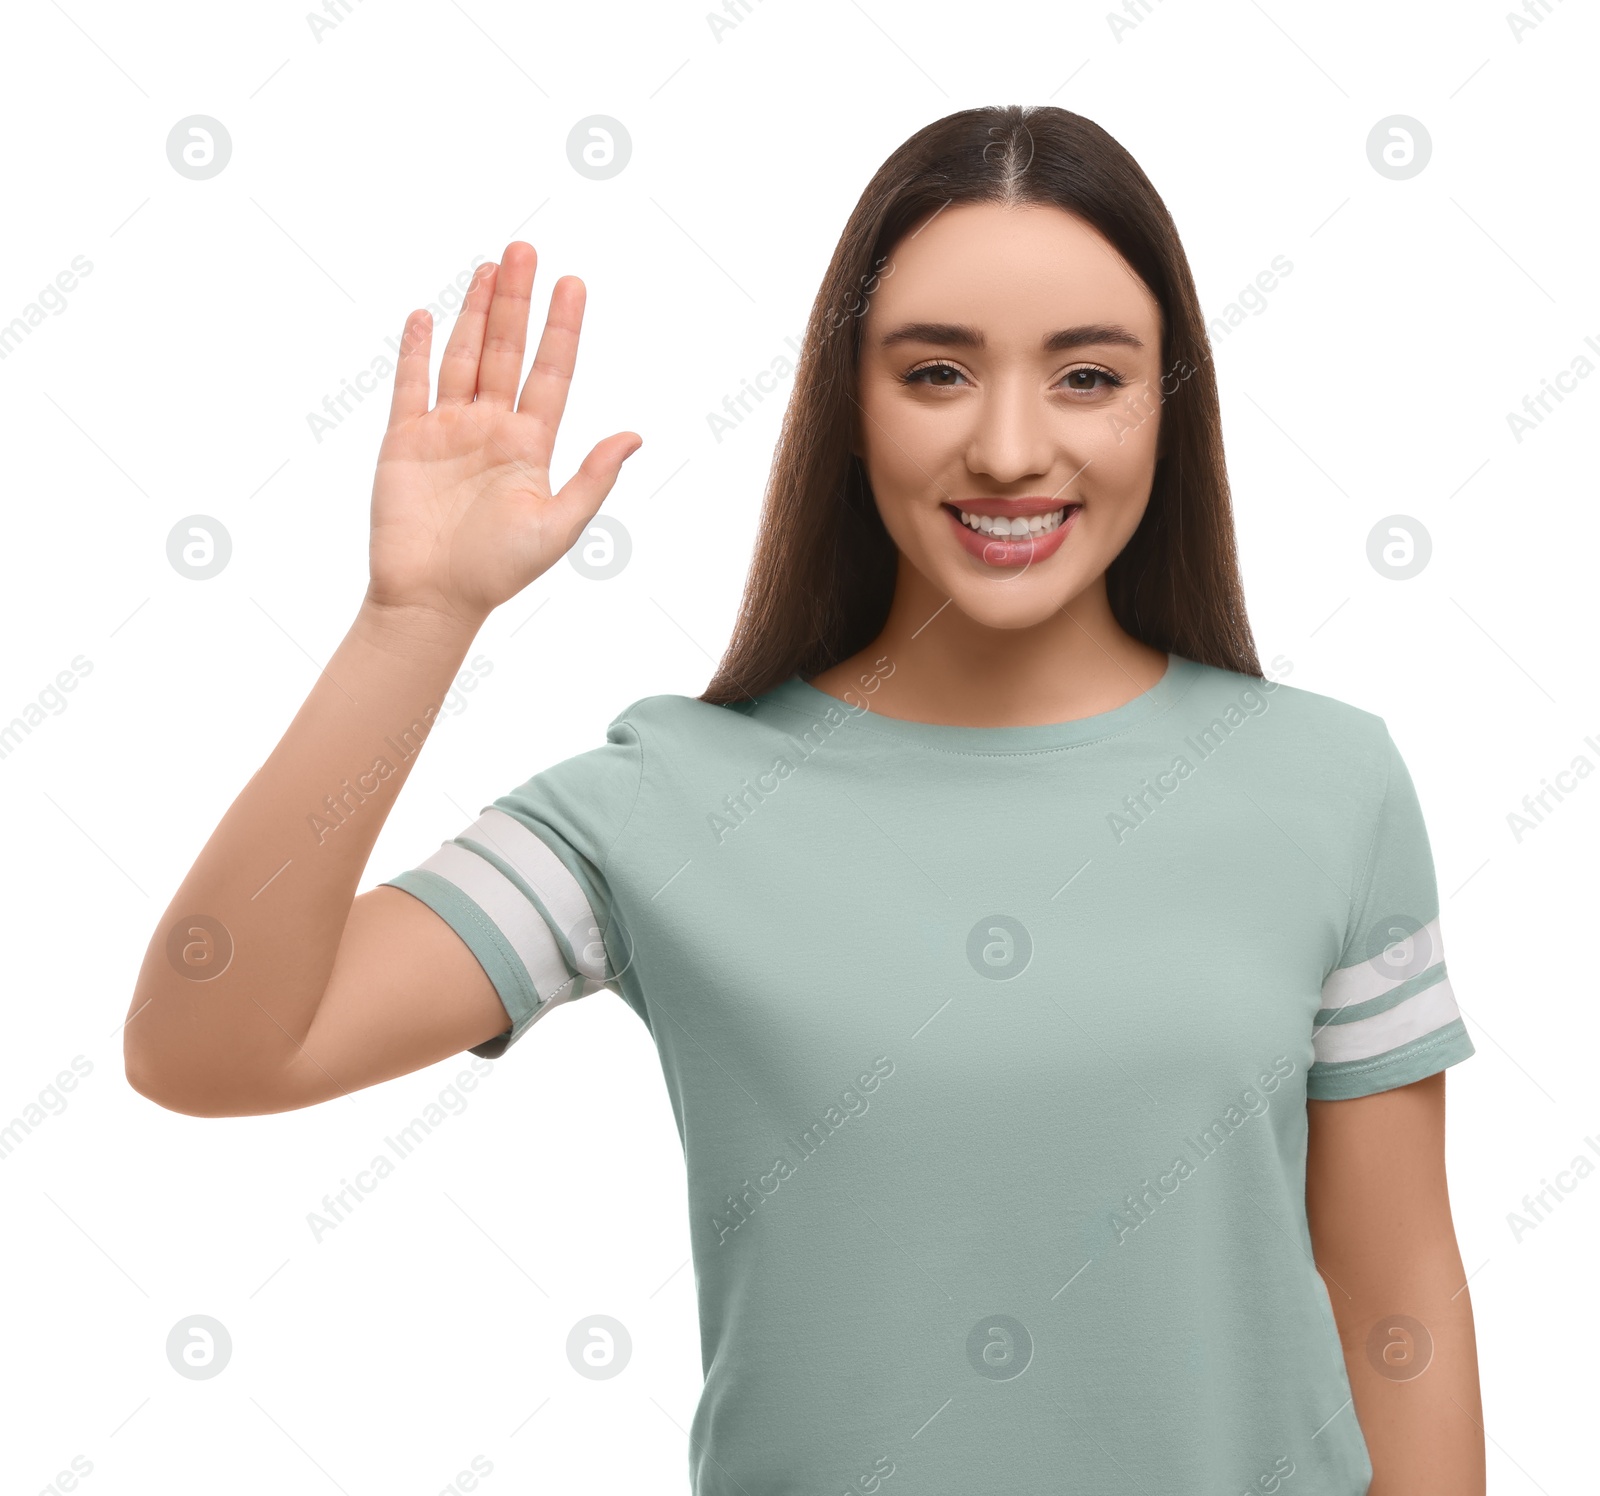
{"x":1026,"y":345}
{"x":994,"y":609}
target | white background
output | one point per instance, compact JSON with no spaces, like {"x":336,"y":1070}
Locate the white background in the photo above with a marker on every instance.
{"x":371,"y":166}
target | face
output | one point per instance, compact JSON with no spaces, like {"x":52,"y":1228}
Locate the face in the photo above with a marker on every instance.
{"x":1009,"y":408}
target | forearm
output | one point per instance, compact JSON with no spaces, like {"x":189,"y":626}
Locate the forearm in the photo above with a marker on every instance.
{"x":235,"y":969}
{"x":1411,"y":1352}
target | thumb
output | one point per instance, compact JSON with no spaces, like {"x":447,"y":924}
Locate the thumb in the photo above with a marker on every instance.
{"x":584,"y":492}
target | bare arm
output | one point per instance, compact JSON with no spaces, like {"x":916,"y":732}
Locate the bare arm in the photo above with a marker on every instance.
{"x":267,"y":984}
{"x":1378,"y":1207}
{"x":269,"y":901}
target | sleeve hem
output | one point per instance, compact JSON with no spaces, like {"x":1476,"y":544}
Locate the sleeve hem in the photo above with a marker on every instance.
{"x":1423,"y":1057}
{"x":500,"y":963}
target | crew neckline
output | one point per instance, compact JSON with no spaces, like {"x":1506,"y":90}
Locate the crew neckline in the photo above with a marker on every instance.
{"x":1180,"y":674}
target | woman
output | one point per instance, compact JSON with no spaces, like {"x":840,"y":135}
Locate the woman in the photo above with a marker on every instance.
{"x":1044,"y":994}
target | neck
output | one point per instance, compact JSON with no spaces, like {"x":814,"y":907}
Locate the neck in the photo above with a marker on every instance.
{"x":940,"y":665}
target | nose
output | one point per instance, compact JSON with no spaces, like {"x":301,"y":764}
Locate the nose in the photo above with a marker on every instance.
{"x":1012,"y":437}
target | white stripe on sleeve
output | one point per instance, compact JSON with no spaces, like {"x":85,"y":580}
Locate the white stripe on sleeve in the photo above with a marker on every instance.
{"x":546,"y":874}
{"x":508,"y":907}
{"x":1369,"y":979}
{"x":1419,"y":1014}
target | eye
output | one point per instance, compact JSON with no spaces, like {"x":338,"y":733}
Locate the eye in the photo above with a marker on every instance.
{"x":1090,"y":370}
{"x":937,"y":367}
{"x":1089,"y":379}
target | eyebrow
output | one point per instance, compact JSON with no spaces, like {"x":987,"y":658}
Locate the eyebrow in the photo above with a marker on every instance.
{"x":959,"y":335}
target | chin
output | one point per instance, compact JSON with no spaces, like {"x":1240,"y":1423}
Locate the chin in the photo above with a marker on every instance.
{"x":1016,"y":602}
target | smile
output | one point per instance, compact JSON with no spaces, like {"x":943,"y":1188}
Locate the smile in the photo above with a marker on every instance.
{"x":1002,"y":528}
{"x":1010,"y":540}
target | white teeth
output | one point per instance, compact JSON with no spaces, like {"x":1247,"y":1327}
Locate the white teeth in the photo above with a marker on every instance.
{"x":1001,"y":527}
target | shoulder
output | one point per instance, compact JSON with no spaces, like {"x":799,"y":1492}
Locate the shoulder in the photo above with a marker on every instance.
{"x":1312,"y":736}
{"x":1298,"y":709}
{"x":670,"y":720}
{"x":681,"y":739}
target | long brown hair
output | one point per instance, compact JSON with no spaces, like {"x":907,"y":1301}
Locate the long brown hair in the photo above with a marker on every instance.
{"x":822,"y":575}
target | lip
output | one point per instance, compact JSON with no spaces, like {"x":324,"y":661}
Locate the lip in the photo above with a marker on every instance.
{"x":1025,"y":550}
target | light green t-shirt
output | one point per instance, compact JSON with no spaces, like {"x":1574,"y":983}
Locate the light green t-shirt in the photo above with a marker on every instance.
{"x":989,"y":1050}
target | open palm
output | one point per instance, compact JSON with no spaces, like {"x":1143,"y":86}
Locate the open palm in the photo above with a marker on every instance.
{"x":463,"y":517}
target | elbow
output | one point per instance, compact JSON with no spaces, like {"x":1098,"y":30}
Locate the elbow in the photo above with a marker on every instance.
{"x":196,"y":1076}
{"x":177,"y":1078}
{"x":160,"y":1090}
{"x":192,"y":1096}
{"x":146,"y":1075}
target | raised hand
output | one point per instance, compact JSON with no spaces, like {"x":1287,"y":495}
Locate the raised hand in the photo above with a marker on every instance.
{"x":463,"y":517}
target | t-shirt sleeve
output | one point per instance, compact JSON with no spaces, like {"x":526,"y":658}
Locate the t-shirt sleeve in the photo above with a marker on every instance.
{"x":1388,"y":1015}
{"x":524,"y":885}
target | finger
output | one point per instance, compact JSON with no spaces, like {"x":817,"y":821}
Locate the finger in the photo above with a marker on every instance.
{"x":544,"y":395}
{"x":586,"y":489}
{"x":411,"y":372}
{"x":506,"y":334}
{"x":458,"y":369}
